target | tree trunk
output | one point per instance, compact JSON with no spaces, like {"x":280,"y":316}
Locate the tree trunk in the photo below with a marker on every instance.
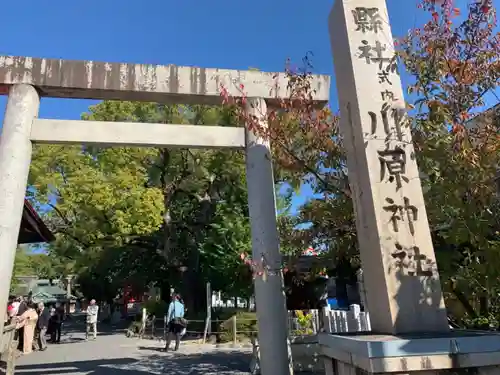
{"x":193,"y":282}
{"x":165,"y":291}
{"x":464,"y":301}
{"x":189,"y":294}
{"x":483,"y":305}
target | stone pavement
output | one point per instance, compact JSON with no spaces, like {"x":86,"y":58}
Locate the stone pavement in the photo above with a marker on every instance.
{"x":114,"y":354}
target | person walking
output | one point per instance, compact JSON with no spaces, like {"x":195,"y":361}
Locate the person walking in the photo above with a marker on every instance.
{"x":176,"y":321}
{"x":41,"y":326}
{"x":57,"y":320}
{"x":92,"y":312}
{"x":50,"y":330}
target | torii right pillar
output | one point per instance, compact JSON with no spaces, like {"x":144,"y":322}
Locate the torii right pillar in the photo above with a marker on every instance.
{"x":403,"y":291}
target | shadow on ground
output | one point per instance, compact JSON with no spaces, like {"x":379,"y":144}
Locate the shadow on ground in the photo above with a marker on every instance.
{"x":68,"y":339}
{"x":152,"y":348}
{"x":77,"y":325}
{"x":220,"y":363}
{"x":102,"y":331}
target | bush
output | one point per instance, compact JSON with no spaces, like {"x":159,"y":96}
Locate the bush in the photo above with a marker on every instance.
{"x":305,"y":322}
{"x":157,"y":308}
{"x":133,"y":329}
{"x":246,"y":327}
{"x":197,"y":321}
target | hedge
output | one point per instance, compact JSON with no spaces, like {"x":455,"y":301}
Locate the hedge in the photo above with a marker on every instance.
{"x":246,"y":327}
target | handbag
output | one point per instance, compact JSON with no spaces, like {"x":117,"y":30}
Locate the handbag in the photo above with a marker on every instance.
{"x":180,"y":321}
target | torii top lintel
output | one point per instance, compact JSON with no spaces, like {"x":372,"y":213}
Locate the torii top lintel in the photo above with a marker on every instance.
{"x":169,"y":84}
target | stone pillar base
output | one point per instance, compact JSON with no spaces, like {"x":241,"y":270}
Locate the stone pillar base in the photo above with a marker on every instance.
{"x":454,"y":353}
{"x":342,"y":368}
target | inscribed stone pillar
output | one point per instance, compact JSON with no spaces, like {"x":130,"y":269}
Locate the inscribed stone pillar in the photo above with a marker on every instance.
{"x":269,"y":290}
{"x":15,"y":158}
{"x":402,"y":282}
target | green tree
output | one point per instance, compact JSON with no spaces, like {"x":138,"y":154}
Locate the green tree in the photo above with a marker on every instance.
{"x":29,"y":263}
{"x":22,"y":267}
{"x":138,"y":216}
{"x":454,"y":63}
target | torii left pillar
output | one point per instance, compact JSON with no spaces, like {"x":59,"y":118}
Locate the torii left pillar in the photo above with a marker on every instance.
{"x":15,"y":159}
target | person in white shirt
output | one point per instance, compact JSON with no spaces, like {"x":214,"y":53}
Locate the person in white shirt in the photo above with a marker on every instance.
{"x":92,"y":312}
{"x":176,"y":321}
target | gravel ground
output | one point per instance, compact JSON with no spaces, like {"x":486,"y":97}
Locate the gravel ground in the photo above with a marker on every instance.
{"x":114,"y":354}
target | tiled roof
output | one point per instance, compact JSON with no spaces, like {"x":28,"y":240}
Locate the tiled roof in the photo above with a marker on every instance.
{"x":53,"y":290}
{"x":33,"y":229}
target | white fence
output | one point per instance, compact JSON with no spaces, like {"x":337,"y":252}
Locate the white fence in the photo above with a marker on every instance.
{"x":333,"y":321}
{"x":338,"y":321}
{"x":242,"y":303}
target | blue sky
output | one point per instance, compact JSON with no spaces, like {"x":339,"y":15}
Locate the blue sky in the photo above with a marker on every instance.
{"x":219,"y":33}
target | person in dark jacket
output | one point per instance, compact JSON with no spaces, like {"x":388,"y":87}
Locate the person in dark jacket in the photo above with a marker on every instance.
{"x":23,"y":306}
{"x":41,"y":326}
{"x":56,"y":321}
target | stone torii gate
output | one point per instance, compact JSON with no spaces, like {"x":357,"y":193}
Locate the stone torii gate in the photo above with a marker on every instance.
{"x":27,"y":79}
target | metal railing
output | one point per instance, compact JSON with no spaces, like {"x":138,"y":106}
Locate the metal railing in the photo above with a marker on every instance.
{"x":158,"y":328}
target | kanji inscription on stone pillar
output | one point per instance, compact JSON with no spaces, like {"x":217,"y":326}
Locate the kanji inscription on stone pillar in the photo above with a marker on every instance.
{"x":399,"y":266}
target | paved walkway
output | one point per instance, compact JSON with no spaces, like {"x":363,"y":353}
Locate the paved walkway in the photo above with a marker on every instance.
{"x":114,"y":354}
